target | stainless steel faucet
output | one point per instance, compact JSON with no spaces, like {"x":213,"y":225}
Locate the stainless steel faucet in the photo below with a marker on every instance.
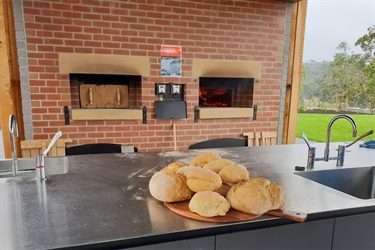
{"x":341,"y":149}
{"x":13,"y":131}
{"x":40,"y":170}
{"x":328,"y":140}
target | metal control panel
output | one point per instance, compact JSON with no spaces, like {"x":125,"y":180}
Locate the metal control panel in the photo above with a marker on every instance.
{"x":169,"y":91}
{"x":170,"y":101}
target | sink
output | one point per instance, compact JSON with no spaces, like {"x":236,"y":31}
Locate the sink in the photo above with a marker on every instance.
{"x":26,"y":167}
{"x":358,"y":182}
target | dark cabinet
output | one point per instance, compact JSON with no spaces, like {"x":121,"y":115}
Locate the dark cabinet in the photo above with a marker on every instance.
{"x":355,"y":232}
{"x":308,"y":235}
{"x":351,"y":232}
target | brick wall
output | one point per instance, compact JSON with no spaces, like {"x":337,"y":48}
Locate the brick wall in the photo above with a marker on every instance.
{"x":206,"y":29}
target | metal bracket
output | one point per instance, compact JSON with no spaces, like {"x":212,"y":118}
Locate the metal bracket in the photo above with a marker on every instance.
{"x":196,"y":113}
{"x":144,"y":115}
{"x":255,"y":110}
{"x":66,"y":115}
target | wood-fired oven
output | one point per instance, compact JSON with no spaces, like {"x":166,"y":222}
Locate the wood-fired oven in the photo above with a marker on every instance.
{"x":105,"y":91}
{"x":225,"y":92}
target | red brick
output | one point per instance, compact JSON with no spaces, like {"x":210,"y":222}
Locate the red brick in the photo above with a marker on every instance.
{"x":69,"y":28}
{"x":101,"y":24}
{"x":62,"y":35}
{"x":69,"y":14}
{"x":92,"y":30}
{"x":79,"y":8}
{"x":91,"y":16}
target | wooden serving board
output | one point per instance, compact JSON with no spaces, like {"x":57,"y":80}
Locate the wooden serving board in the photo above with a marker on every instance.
{"x":182,"y":208}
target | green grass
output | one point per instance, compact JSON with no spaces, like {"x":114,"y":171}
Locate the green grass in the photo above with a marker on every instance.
{"x":315,"y":127}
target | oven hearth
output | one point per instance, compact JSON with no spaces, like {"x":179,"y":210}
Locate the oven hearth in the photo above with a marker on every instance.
{"x":225,"y":92}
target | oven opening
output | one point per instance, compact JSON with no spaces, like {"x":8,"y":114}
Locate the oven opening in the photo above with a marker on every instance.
{"x":226,"y":92}
{"x":105,"y":90}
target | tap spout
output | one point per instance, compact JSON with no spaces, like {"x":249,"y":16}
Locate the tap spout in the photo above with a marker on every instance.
{"x":328,"y":140}
{"x":13,"y":132}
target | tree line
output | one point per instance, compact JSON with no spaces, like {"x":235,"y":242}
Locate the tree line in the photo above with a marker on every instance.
{"x":347,"y":81}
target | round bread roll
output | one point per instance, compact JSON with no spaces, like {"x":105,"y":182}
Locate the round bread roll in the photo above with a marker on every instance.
{"x":200,"y":179}
{"x":175,"y":166}
{"x":223,"y":189}
{"x":278,"y":196}
{"x":168,"y":186}
{"x":209,"y":204}
{"x":218,"y":164}
{"x":234,"y":174}
{"x":203,"y":158}
{"x":251,"y":197}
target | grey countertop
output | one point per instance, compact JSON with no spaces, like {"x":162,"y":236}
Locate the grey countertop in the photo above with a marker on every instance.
{"x":104,"y":200}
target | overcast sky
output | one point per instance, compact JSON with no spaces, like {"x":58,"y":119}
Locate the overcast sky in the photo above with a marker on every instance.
{"x":330,"y":22}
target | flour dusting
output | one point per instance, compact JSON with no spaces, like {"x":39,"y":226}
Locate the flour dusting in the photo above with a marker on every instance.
{"x":133,"y":174}
{"x":130,"y":187}
{"x":148,"y":173}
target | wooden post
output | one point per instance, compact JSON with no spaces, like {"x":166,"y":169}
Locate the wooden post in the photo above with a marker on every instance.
{"x":10,"y":89}
{"x":294,"y":75}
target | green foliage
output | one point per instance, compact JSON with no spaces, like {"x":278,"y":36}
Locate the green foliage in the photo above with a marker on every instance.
{"x":312,"y":77}
{"x":347,"y":81}
{"x":367,"y":43}
{"x":323,"y":107}
{"x":315,"y":127}
{"x":302,"y":107}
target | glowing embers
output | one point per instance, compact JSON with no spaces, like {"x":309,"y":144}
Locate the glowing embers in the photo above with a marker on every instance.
{"x":215,"y":97}
{"x":226,"y":92}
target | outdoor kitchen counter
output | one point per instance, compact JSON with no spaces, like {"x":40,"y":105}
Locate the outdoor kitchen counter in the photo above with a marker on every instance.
{"x":103,"y":200}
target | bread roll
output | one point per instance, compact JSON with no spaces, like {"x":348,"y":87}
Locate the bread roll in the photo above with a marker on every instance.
{"x":209,"y":204}
{"x":203,"y":158}
{"x":278,"y":196}
{"x":168,"y":186}
{"x":234,"y":174}
{"x":251,"y":197}
{"x":200,"y":179}
{"x":175,"y":166}
{"x":218,"y":165}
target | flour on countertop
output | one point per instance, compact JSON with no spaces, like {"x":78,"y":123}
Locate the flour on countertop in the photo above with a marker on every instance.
{"x":137,"y":197}
{"x":148,"y":173}
{"x":129,"y":156}
{"x":173,"y":154}
{"x":133,"y":174}
{"x":130,"y":187}
{"x":140,"y":194}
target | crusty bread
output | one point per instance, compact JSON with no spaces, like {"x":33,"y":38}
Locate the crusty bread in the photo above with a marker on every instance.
{"x":218,"y":164}
{"x":223,"y":189}
{"x":168,"y":186}
{"x":209,"y":204}
{"x":200,"y":179}
{"x":278,"y":196}
{"x":175,"y":166}
{"x":234,"y":174}
{"x":256,"y":196}
{"x":203,"y":158}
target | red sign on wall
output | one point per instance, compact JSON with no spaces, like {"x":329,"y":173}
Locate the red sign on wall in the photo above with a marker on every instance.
{"x":171,"y":61}
{"x":170,"y":51}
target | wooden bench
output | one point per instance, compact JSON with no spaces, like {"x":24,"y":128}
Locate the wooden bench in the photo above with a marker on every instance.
{"x":30,"y":148}
{"x":264,"y":138}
